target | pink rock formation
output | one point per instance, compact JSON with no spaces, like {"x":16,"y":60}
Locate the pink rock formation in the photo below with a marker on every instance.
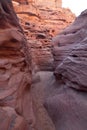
{"x":67,"y":105}
{"x":15,"y":73}
{"x":46,"y":3}
{"x":40,"y":26}
{"x":49,"y":4}
{"x":22,"y":1}
{"x":16,"y":105}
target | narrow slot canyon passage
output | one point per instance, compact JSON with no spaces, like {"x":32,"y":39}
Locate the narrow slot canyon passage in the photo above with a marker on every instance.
{"x":43,"y":66}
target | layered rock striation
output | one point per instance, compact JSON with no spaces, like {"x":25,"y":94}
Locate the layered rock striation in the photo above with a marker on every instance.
{"x":40,"y":25}
{"x":66,"y":104}
{"x":16,"y":111}
{"x":20,"y":58}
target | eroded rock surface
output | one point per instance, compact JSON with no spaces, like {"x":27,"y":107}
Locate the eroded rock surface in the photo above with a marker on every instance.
{"x":66,"y":103}
{"x":41,"y":3}
{"x":15,"y":73}
{"x":40,"y":25}
{"x":22,"y":1}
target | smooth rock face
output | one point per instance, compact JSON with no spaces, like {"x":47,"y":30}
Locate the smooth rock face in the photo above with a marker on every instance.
{"x":15,"y":72}
{"x":68,"y":107}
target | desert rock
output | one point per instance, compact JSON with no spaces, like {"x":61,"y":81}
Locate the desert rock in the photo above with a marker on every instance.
{"x":15,"y":72}
{"x":40,"y":25}
{"x":66,"y":104}
{"x":27,"y":64}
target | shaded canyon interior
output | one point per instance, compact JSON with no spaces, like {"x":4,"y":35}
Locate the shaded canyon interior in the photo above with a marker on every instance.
{"x":43,"y":66}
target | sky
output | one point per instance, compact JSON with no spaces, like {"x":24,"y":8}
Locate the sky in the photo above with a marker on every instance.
{"x":76,"y":6}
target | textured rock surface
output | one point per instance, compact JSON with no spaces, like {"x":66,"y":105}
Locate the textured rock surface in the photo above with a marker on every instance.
{"x":16,"y":103}
{"x":66,"y":103}
{"x":45,"y":3}
{"x":70,"y":39}
{"x":40,"y":24}
{"x":49,"y":4}
{"x":22,"y":1}
{"x":15,"y":73}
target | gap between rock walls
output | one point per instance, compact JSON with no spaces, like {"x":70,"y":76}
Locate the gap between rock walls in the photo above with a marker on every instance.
{"x":43,"y":66}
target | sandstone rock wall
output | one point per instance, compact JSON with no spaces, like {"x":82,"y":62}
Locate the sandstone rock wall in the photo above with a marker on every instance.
{"x":40,"y":26}
{"x":49,"y":3}
{"x":66,"y":104}
{"x":15,"y":73}
{"x":46,"y":3}
{"x":17,"y":108}
{"x":22,"y":1}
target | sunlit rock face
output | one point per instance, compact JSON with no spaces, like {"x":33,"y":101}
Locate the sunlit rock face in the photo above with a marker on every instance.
{"x":40,"y":24}
{"x":67,"y":105}
{"x":49,"y":3}
{"x":15,"y":73}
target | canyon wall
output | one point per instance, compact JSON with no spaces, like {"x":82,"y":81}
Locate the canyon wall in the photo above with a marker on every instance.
{"x":16,"y":110}
{"x":28,"y":61}
{"x":49,"y":4}
{"x":66,"y":103}
{"x":46,"y":3}
{"x":40,"y":24}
